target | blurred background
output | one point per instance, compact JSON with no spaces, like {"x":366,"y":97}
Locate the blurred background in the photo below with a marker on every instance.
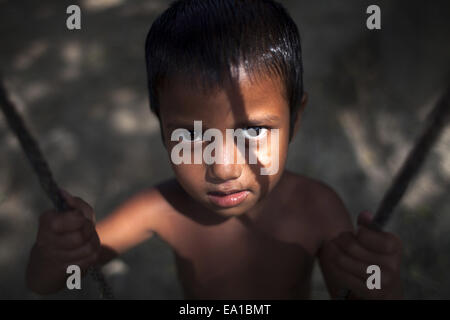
{"x":83,"y":95}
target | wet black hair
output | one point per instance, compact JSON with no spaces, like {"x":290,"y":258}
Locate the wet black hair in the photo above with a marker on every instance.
{"x":205,"y":39}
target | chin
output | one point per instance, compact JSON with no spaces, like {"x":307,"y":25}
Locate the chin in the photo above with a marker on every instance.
{"x":229,"y":212}
{"x":235,"y":211}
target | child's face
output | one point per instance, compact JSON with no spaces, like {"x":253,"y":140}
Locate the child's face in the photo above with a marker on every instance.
{"x":242,"y":104}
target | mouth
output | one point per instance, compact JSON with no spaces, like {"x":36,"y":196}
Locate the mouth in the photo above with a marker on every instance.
{"x":229,"y":198}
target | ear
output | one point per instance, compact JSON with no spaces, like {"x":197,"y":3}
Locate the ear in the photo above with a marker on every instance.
{"x":298,"y":116}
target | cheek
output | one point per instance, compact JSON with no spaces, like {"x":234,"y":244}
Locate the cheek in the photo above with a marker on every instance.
{"x":272,"y":159}
{"x":190,"y":176}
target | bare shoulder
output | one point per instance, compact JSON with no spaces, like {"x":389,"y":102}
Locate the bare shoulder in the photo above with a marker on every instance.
{"x":323,"y":205}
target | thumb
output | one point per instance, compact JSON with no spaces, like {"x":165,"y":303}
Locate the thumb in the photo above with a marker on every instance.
{"x":365,"y":218}
{"x":68,"y":197}
{"x":79,"y":204}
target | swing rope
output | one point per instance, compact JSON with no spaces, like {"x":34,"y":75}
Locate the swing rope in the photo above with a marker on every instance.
{"x":42,"y":170}
{"x":436,"y":121}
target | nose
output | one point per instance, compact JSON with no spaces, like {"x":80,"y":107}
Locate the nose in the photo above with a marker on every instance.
{"x":225,"y":167}
{"x":224,"y":172}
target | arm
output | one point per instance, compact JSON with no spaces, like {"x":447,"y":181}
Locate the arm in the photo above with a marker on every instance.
{"x":129,"y":225}
{"x":336,"y":220}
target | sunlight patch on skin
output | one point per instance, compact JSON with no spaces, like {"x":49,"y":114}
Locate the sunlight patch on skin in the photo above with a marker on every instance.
{"x":28,"y":57}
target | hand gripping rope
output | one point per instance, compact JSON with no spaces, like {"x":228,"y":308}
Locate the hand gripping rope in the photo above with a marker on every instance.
{"x":42,"y":170}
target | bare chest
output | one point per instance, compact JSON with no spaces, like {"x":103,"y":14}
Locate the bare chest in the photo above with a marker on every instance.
{"x":243,"y":266}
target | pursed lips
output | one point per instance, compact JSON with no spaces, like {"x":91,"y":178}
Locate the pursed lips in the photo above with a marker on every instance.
{"x":228,"y":198}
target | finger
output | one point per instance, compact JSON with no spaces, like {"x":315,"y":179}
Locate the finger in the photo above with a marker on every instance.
{"x":87,"y":210}
{"x":348,"y":281}
{"x":75,"y":239}
{"x":350,"y":265}
{"x":68,"y":197}
{"x":87,"y":250}
{"x":365,"y":218}
{"x":349,"y":243}
{"x":378,"y":241}
{"x":70,"y":241}
{"x":67,"y":222}
{"x":79,"y":203}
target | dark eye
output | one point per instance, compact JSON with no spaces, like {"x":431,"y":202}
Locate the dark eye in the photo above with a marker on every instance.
{"x":255,"y":132}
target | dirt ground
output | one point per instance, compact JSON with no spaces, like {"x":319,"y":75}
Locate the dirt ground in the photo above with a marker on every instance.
{"x":83,"y":94}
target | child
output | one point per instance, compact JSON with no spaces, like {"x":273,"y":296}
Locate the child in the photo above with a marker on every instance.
{"x":235,"y":232}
